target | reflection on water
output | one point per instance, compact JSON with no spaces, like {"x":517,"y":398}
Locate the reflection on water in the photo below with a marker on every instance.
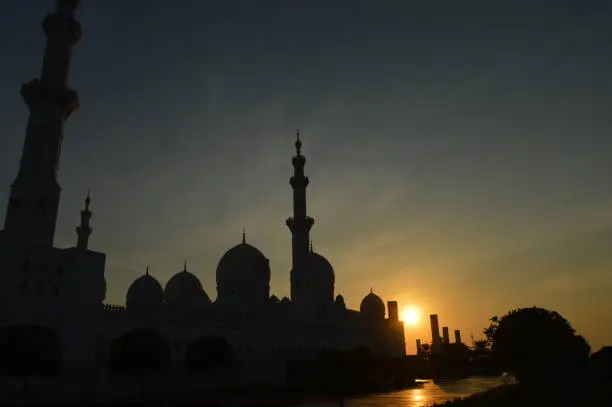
{"x":427,"y":393}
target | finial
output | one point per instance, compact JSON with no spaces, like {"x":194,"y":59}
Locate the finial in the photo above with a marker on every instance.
{"x":243,"y":235}
{"x":185,"y":265}
{"x":87,"y":200}
{"x":70,"y":5}
{"x":298,"y":143}
{"x":311,"y":248}
{"x":371,"y":290}
{"x":147,"y":272}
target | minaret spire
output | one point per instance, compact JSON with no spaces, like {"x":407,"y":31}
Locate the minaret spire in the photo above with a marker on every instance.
{"x":84,"y":229}
{"x":33,"y":205}
{"x":300,"y":223}
{"x":298,"y":143}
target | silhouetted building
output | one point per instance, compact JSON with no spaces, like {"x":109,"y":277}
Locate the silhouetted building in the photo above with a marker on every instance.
{"x":445,"y":335}
{"x":65,"y":288}
{"x":436,"y":341}
{"x":418,"y":346}
{"x":457,"y":336}
{"x":393,"y":310}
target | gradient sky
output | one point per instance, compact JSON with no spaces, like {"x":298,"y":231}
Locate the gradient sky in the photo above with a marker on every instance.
{"x":459,"y":152}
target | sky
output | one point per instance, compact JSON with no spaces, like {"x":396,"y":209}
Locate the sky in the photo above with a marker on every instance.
{"x":458,"y":152}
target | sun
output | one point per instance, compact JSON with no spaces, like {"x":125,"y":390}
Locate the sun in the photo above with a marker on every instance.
{"x":410,"y":316}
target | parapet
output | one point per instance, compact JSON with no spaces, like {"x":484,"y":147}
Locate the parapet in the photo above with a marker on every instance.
{"x":114,"y":309}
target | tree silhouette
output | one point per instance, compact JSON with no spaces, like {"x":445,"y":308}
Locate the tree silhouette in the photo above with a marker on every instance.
{"x":538,"y":345}
{"x":29,"y":350}
{"x":489,"y":332}
{"x":208,"y":352}
{"x":139,"y":352}
{"x":480,"y":348}
{"x":425,"y":350}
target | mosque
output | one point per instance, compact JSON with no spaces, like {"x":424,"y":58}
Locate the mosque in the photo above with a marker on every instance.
{"x":64,"y":288}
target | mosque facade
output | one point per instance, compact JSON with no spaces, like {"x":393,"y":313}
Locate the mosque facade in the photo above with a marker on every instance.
{"x":64,"y":288}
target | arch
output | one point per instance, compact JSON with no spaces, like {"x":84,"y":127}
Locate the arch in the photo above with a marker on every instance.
{"x":208,"y":352}
{"x":139,"y":351}
{"x":29,"y":350}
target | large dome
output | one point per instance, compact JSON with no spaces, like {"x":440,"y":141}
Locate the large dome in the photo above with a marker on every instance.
{"x":241,"y":259}
{"x":243,"y":277}
{"x":314,"y":283}
{"x":321,"y":268}
{"x":372,"y":307}
{"x":145,"y":294}
{"x":184,"y":292}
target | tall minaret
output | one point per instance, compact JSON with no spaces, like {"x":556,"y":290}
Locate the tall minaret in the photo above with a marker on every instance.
{"x":34,"y":199}
{"x":300,"y":223}
{"x":84,"y":229}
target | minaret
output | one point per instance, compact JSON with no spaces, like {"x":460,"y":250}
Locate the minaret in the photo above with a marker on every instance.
{"x":445,"y":335}
{"x":436,"y":343}
{"x":34,"y":198}
{"x":300,"y":223}
{"x":84,"y":229}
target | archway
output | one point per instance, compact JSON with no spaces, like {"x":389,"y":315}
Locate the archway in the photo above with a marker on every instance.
{"x":138,"y":352}
{"x":208,"y":352}
{"x":29,"y":350}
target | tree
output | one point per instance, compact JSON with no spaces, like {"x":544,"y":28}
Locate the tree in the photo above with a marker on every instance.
{"x":208,"y":352}
{"x":29,"y":350}
{"x":489,"y":332}
{"x":538,"y":345}
{"x":480,"y":348}
{"x":425,"y":350}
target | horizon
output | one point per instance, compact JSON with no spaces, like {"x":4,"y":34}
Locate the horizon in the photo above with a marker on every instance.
{"x":458,"y":165}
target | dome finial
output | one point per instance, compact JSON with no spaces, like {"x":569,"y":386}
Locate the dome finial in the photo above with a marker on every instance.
{"x":311,"y":247}
{"x":147,"y":271}
{"x":243,"y":235}
{"x":185,"y":265}
{"x":371,"y":290}
{"x":298,"y":143}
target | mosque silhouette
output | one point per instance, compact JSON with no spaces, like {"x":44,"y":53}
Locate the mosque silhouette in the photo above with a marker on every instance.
{"x":64,"y":289}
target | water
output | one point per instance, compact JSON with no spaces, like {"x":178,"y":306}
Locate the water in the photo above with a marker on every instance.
{"x":427,"y":393}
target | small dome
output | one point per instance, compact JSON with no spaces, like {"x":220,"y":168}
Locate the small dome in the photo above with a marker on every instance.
{"x":145,"y":293}
{"x":339,"y":303}
{"x":185,"y":292}
{"x":372,"y":307}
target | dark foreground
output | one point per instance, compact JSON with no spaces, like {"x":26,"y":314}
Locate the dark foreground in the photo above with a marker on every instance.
{"x":220,"y":397}
{"x":577,"y":394}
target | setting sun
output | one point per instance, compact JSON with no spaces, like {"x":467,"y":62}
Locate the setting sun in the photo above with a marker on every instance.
{"x":410,"y":316}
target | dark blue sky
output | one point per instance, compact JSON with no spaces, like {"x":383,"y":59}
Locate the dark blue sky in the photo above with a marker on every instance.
{"x":459,"y":152}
